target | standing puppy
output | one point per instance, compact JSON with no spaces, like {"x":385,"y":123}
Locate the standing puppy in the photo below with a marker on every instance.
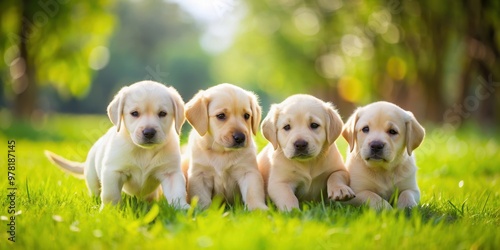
{"x":302,"y":162}
{"x":222,"y":154}
{"x":382,"y":137}
{"x":141,"y":152}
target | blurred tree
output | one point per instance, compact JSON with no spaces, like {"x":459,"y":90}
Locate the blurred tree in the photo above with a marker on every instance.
{"x":152,"y":40}
{"x":428,"y":56}
{"x":51,"y":42}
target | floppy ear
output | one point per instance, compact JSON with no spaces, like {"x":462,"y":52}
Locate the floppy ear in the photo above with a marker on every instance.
{"x":349,"y":131}
{"x":333,"y":123}
{"x":256,"y":112}
{"x":269,"y":126}
{"x":178,"y":109}
{"x":115,"y":108}
{"x":414,"y":133}
{"x":197,"y":113}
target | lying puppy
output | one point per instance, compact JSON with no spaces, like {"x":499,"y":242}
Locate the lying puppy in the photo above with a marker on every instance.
{"x":302,"y":162}
{"x":221,"y":152}
{"x":377,"y":161}
{"x":141,"y":151}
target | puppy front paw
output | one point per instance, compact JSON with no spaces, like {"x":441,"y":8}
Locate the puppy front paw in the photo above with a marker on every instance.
{"x":380,"y":205}
{"x":183,"y":206}
{"x":287,"y":206}
{"x":407,"y":200}
{"x":340,"y":193}
{"x":259,"y":206}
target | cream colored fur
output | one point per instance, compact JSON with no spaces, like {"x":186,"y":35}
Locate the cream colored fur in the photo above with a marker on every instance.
{"x":218,"y":162}
{"x":294,"y":171}
{"x":381,"y":172}
{"x":125,"y":159}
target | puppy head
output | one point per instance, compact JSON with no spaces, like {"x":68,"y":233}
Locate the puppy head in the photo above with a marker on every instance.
{"x":302,"y":126}
{"x":225,"y":112}
{"x":148,"y":111}
{"x":380,"y":132}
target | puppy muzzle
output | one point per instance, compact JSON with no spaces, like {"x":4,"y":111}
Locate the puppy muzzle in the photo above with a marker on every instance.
{"x":239,"y":140}
{"x":301,"y":150}
{"x":376,"y":151}
{"x":149,"y":137}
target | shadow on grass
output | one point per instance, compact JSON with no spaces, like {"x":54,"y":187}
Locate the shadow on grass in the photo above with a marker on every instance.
{"x":433,"y":214}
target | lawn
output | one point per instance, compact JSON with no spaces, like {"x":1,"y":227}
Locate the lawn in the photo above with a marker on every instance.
{"x":459,"y":178}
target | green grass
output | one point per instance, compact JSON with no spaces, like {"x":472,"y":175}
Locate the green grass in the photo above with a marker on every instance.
{"x":458,"y":176}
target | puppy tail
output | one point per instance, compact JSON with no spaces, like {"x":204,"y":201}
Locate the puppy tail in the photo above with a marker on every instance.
{"x":75,"y":168}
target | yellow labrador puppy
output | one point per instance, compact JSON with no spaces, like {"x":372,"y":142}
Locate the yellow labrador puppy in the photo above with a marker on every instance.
{"x":221,"y":152}
{"x":141,"y":151}
{"x":381,"y":138}
{"x":302,"y":162}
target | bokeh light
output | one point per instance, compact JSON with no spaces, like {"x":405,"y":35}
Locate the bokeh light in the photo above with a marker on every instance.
{"x":306,"y":21}
{"x":17,"y":68}
{"x":331,"y":5}
{"x":330,"y":65}
{"x":10,"y":54}
{"x":99,"y":58}
{"x":392,"y":35}
{"x":396,"y":68}
{"x":350,"y":89}
{"x":352,"y":45}
{"x":379,"y":21}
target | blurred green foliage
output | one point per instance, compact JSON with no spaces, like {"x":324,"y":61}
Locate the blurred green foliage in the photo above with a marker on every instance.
{"x":153,"y":40}
{"x":438,"y":59}
{"x":424,"y":55}
{"x":84,"y":52}
{"x":60,"y":37}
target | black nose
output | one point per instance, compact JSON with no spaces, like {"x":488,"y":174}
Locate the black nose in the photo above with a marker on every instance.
{"x":149,"y":133}
{"x":377,"y":146}
{"x":300,"y":145}
{"x":239,"y":137}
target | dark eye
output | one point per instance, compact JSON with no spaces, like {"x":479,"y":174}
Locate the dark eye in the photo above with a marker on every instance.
{"x":314,"y":125}
{"x":135,"y":114}
{"x":365,"y":129}
{"x":221,"y":116}
{"x":162,"y":114}
{"x":393,"y":132}
{"x":287,"y":127}
{"x":246,"y":116}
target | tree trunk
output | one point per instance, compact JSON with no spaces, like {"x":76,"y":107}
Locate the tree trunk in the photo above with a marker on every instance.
{"x":432,"y":90}
{"x":25,"y":88}
{"x":483,"y":63}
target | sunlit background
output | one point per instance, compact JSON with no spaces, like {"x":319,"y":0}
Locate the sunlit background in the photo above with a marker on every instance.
{"x":439,"y":59}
